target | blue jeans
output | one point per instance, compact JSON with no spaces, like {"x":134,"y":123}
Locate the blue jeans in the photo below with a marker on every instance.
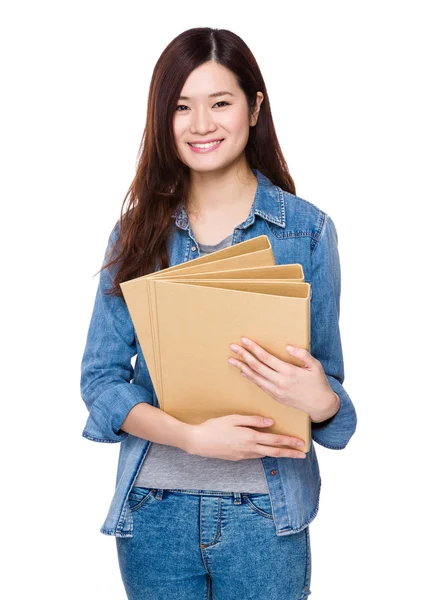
{"x":202,"y":545}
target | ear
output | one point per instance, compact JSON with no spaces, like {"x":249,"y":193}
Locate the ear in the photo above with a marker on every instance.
{"x":254,"y":116}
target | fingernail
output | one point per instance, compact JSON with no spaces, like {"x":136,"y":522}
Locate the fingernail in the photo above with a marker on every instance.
{"x":268,"y":421}
{"x":300,"y":443}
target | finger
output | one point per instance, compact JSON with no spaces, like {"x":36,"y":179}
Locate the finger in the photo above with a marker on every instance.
{"x":272,"y":387}
{"x":251,"y":420}
{"x":273,"y":439}
{"x":254,"y":351}
{"x":243,"y":358}
{"x":278,"y":452}
{"x":302,"y":354}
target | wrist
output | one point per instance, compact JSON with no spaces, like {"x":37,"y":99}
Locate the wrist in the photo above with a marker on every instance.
{"x":333,"y":406}
{"x":188,"y":435}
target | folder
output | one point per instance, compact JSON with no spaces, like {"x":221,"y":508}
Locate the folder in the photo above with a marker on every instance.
{"x":186,"y":316}
{"x":251,"y":253}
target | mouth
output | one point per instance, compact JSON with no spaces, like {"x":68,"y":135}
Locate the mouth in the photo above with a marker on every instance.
{"x":207,"y":147}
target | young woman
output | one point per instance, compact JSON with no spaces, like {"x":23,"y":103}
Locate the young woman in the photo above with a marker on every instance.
{"x":194,"y":513}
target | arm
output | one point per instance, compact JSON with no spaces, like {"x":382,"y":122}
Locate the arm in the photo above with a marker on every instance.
{"x":106,"y":369}
{"x":152,"y":423}
{"x":336,"y":431}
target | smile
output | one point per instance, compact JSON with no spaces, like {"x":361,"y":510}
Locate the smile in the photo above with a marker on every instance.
{"x":204,"y":148}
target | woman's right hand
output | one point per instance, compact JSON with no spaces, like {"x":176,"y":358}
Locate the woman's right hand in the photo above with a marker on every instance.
{"x":231,"y":438}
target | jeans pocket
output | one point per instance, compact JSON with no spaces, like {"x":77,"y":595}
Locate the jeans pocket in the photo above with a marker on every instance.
{"x":259,"y":503}
{"x":139,"y":496}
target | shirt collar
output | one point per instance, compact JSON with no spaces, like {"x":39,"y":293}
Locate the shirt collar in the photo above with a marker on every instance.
{"x":268,"y":204}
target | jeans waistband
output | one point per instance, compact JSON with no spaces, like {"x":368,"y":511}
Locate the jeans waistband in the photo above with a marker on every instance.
{"x":238,"y":496}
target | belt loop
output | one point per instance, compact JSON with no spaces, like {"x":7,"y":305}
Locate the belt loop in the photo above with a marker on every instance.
{"x":237,"y":497}
{"x":159,"y":495}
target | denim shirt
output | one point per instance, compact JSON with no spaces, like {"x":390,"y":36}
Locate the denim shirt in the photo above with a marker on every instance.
{"x":299,"y":232}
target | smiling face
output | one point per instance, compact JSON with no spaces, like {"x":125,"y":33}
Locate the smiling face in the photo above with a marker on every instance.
{"x":212,"y":107}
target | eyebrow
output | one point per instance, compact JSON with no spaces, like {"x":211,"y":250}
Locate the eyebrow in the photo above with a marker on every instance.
{"x":214,"y":95}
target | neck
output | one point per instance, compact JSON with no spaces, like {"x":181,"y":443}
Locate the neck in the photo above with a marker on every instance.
{"x":221,"y":192}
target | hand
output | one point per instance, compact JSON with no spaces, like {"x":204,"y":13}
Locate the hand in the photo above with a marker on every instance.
{"x":305,"y":388}
{"x":228,"y":438}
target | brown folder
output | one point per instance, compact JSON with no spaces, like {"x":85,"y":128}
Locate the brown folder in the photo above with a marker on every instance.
{"x":251,"y":253}
{"x":186,"y":317}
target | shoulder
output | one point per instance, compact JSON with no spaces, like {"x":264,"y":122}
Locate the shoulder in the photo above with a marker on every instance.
{"x":305,"y":218}
{"x":113,"y":247}
{"x":113,"y":236}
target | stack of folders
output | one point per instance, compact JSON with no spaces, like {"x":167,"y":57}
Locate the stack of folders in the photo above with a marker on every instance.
{"x":185,"y":318}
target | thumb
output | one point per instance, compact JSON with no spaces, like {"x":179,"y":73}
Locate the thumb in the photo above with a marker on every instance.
{"x":253,"y":420}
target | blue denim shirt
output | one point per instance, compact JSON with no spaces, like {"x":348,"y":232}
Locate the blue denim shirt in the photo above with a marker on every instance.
{"x":299,"y":232}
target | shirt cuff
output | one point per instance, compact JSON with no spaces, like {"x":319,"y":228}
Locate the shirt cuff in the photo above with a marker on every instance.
{"x":110,"y":409}
{"x":336,"y":431}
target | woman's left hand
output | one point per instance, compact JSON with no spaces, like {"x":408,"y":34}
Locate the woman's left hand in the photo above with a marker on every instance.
{"x":305,"y":388}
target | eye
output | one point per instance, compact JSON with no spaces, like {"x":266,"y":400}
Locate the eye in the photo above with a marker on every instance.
{"x":184,"y":106}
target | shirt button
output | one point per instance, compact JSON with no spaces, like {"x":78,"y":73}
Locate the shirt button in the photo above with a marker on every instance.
{"x":193,"y":248}
{"x":273,"y":472}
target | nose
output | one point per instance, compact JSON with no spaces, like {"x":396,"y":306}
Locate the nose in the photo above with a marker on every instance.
{"x":202,"y":121}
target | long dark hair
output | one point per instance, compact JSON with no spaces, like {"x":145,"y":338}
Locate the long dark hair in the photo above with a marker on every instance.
{"x":161,"y":182}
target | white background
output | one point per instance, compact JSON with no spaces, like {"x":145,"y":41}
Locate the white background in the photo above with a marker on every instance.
{"x":347,"y":82}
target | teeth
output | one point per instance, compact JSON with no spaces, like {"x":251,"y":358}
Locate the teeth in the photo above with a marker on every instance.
{"x":205,"y":145}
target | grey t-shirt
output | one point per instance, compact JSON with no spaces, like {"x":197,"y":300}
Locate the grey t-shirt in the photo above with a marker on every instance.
{"x":169,"y":467}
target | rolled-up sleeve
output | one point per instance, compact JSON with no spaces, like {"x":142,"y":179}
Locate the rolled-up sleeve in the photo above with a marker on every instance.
{"x":106,"y":369}
{"x":326,"y":343}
